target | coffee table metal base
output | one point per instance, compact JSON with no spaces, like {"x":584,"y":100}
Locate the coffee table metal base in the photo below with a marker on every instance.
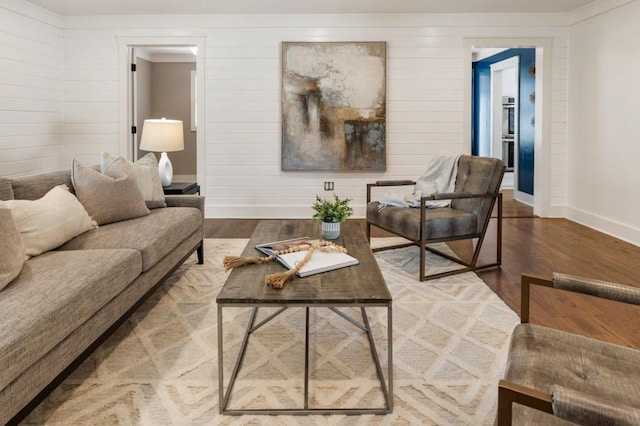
{"x":386,"y":387}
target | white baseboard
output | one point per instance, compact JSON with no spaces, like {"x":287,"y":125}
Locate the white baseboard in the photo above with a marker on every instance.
{"x":523,"y":197}
{"x":507,"y":181}
{"x":213,"y":211}
{"x":618,"y":230}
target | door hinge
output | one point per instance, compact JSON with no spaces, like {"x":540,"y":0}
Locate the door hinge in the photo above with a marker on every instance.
{"x":133,"y":67}
{"x":134,"y":130}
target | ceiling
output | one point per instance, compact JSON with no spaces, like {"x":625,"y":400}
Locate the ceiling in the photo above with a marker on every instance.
{"x":136,"y":7}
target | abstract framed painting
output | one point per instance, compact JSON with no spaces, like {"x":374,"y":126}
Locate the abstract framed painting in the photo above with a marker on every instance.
{"x":334,"y":106}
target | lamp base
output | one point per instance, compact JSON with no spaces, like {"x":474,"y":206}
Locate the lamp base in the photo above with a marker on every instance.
{"x":165,"y":169}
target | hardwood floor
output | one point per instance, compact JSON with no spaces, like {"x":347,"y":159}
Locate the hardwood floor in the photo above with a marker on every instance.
{"x":540,"y":246}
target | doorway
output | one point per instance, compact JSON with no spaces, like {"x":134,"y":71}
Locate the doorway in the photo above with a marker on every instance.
{"x":131,"y":116}
{"x":164,"y":85}
{"x":504,"y":118}
{"x":531,"y":185}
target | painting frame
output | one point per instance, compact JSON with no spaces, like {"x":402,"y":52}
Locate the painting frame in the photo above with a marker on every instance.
{"x":334,"y":106}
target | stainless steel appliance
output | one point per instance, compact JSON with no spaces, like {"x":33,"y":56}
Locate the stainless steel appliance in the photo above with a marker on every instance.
{"x":508,"y":131}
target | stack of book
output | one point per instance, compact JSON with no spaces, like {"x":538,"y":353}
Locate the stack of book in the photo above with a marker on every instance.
{"x":320,"y":261}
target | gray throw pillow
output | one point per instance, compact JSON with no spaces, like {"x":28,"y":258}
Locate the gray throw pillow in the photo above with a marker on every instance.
{"x":145,"y":172}
{"x":109,"y":197}
{"x":11,"y":249}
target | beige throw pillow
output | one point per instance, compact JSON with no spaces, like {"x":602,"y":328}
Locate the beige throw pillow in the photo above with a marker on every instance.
{"x":50,"y":221}
{"x":109,"y":197}
{"x":11,"y":248}
{"x":145,"y":172}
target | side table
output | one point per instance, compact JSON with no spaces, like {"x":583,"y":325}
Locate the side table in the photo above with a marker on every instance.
{"x":182,"y":188}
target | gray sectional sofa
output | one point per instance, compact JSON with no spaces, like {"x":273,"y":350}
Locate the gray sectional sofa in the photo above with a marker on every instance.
{"x":66,"y":301}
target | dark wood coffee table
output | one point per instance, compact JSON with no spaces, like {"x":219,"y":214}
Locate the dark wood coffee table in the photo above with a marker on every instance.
{"x":355,"y":286}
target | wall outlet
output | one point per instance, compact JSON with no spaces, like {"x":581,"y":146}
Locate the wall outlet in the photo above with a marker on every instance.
{"x":328,"y":186}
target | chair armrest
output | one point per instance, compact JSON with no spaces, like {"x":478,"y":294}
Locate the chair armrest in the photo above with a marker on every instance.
{"x":510,"y":393}
{"x":458,"y":195}
{"x":393,"y":182}
{"x":525,"y":282}
{"x":196,"y":201}
{"x":606,"y":290}
{"x":597,"y":288}
{"x":386,"y":183}
{"x":581,"y":408}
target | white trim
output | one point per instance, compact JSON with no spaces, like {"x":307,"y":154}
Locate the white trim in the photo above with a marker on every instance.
{"x":514,"y":61}
{"x":523,"y":197}
{"x":618,"y":230}
{"x":124,"y":43}
{"x":496,"y":110}
{"x":543,"y":77}
{"x":542,"y":153}
{"x":193,"y":102}
{"x":36,"y":12}
{"x":172,"y":57}
{"x":594,"y":9}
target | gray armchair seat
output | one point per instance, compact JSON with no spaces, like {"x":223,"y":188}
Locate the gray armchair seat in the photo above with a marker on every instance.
{"x":477,"y":190}
{"x":556,"y":377}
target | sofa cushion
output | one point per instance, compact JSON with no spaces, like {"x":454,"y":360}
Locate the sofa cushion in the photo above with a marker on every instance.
{"x":145,"y":172}
{"x":6,"y":190}
{"x":154,"y":235}
{"x":111,"y":197}
{"x":52,"y":296}
{"x":11,"y":249}
{"x":50,"y":221}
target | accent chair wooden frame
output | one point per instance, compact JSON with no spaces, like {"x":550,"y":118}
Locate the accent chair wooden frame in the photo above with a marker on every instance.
{"x":544,"y":400}
{"x":422,"y":241}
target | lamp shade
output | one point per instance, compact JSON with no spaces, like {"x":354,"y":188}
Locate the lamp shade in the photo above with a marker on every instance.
{"x":162,"y":135}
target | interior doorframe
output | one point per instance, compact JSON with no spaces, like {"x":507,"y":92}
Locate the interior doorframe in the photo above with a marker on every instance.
{"x":496,"y":119}
{"x":542,"y":151}
{"x":125,"y":86}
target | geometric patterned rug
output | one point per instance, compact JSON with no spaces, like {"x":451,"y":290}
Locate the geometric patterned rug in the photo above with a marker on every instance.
{"x":160,"y":367}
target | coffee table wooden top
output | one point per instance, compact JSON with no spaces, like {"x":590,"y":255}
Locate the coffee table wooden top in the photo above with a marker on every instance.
{"x":358,"y":284}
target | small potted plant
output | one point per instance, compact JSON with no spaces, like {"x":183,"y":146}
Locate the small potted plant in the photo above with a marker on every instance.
{"x":332,"y":213}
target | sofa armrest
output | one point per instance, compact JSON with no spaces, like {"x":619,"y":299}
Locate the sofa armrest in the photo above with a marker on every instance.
{"x":581,"y":408}
{"x":196,"y":201}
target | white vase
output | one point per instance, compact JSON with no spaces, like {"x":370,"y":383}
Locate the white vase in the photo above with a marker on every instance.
{"x":330,"y":230}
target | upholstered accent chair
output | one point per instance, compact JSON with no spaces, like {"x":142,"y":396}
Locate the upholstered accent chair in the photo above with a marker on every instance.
{"x":555,"y":377}
{"x":477,"y":191}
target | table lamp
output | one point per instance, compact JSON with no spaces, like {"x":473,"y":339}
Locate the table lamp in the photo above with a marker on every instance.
{"x":161,"y":136}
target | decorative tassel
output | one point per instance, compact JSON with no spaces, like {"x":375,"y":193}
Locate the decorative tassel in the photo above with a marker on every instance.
{"x":278,"y":280}
{"x":231,"y":262}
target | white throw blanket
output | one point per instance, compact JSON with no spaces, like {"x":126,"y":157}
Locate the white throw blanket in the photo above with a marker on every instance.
{"x":440,"y":176}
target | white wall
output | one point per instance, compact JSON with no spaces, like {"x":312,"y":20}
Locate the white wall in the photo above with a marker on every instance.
{"x":242,"y":61}
{"x":31,"y":70}
{"x":604,"y":131}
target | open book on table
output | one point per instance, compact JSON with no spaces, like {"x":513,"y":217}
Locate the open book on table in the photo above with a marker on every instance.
{"x":319,"y":262}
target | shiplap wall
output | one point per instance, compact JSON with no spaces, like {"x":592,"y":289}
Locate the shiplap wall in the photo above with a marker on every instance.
{"x":31,"y":69}
{"x":604,"y":127}
{"x":243,"y":176}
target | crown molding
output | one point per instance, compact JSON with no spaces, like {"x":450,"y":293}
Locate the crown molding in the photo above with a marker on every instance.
{"x":594,"y":9}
